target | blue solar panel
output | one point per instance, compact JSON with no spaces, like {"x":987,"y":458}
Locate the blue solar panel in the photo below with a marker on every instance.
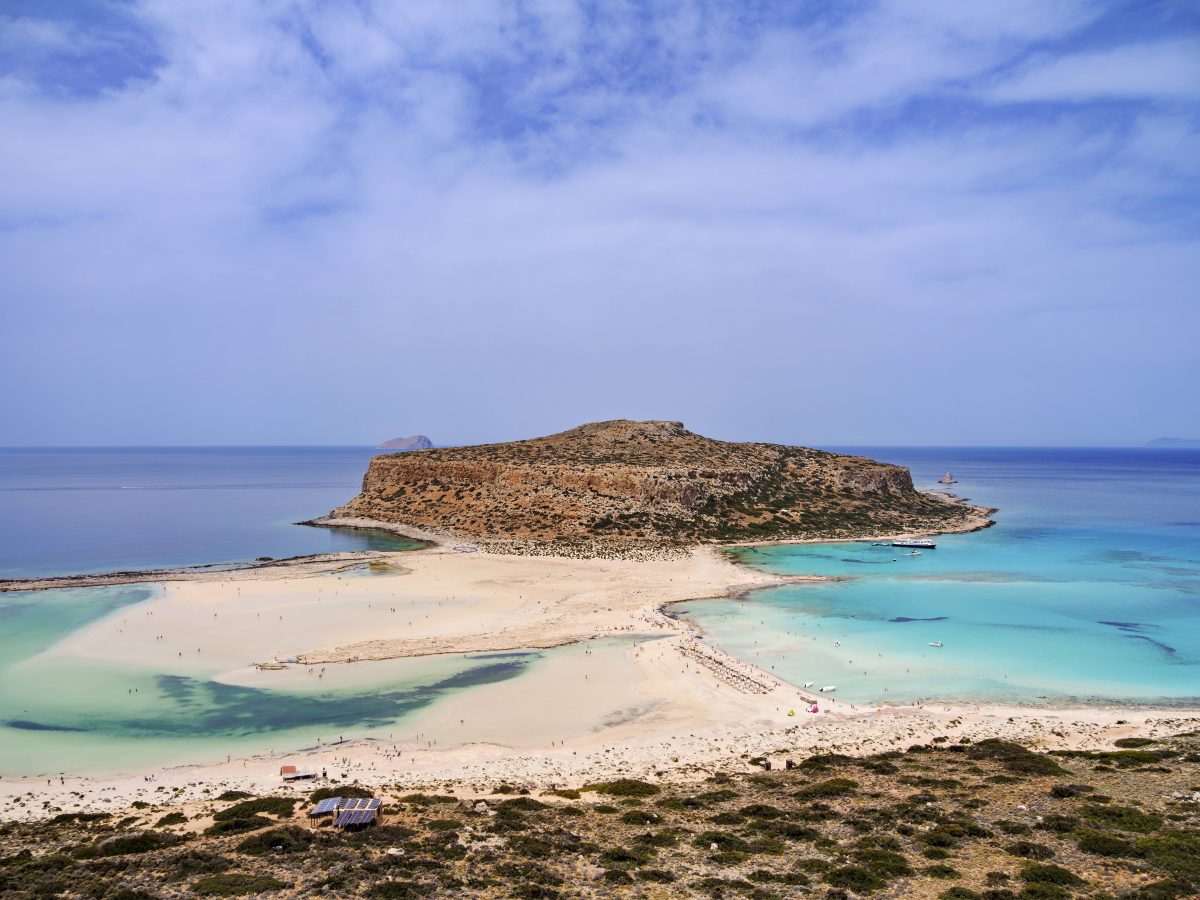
{"x":355,"y":817}
{"x":326,"y":806}
{"x":374,"y":803}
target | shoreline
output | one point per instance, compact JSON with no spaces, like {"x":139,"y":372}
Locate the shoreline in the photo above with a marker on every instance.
{"x":671,"y":706}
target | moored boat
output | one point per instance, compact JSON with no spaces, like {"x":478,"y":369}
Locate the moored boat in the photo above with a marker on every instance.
{"x":919,"y":543}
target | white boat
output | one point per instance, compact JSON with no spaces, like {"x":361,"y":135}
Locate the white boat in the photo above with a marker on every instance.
{"x":935,"y":643}
{"x":808,"y":684}
{"x":914,"y":552}
{"x":918,"y":543}
{"x":828,"y":689}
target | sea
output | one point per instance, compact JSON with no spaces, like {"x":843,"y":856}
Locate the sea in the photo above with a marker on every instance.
{"x":1087,"y":589}
{"x":72,"y":510}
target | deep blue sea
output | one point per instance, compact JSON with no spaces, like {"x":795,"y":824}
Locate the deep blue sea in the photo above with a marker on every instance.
{"x":1086,"y":588}
{"x":95,"y":510}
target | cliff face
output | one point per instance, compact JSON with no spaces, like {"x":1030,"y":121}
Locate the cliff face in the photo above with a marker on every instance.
{"x":625,"y":481}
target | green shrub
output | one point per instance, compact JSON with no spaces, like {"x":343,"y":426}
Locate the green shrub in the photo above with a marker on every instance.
{"x":275,"y":806}
{"x":1101,"y":843}
{"x":1173,"y":851}
{"x":289,"y":839}
{"x":235,"y":884}
{"x":1050,"y":874}
{"x":639,"y":817}
{"x":1063,"y":791}
{"x":348,"y":790}
{"x":854,"y":878}
{"x":941,"y":870}
{"x":521,"y":804}
{"x":726,"y":843}
{"x":1133,"y":743}
{"x":141,"y":842}
{"x":1014,"y":757}
{"x":234,"y":795}
{"x":427,"y":799}
{"x":624,"y":787}
{"x":657,"y":876}
{"x":237,"y":826}
{"x":1125,"y":818}
{"x":1029,"y":850}
{"x":833,"y":787}
{"x":175,"y":817}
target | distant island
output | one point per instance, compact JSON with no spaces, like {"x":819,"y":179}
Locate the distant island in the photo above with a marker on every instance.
{"x":645,"y":484}
{"x":416,"y":442}
{"x":1170,"y":442}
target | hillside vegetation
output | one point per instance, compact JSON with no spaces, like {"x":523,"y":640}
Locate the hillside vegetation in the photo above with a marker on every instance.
{"x":951,"y":820}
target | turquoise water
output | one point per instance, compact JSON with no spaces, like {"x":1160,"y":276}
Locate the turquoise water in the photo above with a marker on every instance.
{"x":1087,"y":588}
{"x":112,"y":508}
{"x":65,"y":713}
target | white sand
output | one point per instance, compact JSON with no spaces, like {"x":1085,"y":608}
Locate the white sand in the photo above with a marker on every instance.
{"x":595,"y":709}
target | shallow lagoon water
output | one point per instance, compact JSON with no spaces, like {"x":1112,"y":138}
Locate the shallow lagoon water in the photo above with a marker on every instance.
{"x":1086,"y":589}
{"x":76,"y":714}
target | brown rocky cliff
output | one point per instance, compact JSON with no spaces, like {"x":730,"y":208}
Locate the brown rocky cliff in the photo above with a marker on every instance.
{"x":626,"y":481}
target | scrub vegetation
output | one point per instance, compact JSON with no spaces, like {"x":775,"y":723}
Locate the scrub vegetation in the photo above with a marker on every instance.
{"x":984,"y":821}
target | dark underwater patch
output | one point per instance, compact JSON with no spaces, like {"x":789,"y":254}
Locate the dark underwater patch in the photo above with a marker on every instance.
{"x":25,"y":725}
{"x":207,"y":708}
{"x":911,"y":619}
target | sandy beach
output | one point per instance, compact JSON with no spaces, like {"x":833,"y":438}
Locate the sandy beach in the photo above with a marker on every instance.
{"x":666,"y":705}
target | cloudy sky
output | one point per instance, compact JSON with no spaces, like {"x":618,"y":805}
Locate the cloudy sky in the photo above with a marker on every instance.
{"x":861,"y":223}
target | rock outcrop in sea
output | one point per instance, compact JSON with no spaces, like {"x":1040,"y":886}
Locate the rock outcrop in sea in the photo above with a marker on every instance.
{"x":416,"y":442}
{"x":646,"y":483}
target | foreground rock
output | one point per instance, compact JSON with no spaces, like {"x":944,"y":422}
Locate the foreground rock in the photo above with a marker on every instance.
{"x":647,"y":483}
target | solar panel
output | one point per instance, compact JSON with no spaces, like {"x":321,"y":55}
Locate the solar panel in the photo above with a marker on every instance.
{"x":355,"y":817}
{"x":326,"y":806}
{"x":374,"y":803}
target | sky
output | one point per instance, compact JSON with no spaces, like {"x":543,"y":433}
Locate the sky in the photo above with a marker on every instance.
{"x":293,"y":222}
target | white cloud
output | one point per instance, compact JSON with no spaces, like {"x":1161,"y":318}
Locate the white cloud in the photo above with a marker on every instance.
{"x":1167,"y":70}
{"x":495,"y":196}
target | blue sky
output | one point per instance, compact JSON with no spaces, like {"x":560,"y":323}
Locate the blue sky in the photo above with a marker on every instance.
{"x":858,"y":223}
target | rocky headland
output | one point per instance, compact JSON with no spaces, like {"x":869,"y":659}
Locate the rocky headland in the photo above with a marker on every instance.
{"x":606,"y":486}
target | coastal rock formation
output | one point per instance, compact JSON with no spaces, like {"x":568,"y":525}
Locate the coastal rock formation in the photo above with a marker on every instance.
{"x":416,"y":442}
{"x":637,"y":483}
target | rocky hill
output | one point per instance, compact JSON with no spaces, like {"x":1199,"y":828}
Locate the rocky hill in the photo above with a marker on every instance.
{"x":646,"y":483}
{"x":642,"y":484}
{"x":416,"y":442}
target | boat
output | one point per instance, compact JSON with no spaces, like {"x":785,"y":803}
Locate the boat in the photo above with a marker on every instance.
{"x":808,"y":684}
{"x":828,"y":689}
{"x":918,"y":543}
{"x":935,"y":643}
{"x":914,"y":552}
{"x":879,"y":543}
{"x":948,"y":478}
